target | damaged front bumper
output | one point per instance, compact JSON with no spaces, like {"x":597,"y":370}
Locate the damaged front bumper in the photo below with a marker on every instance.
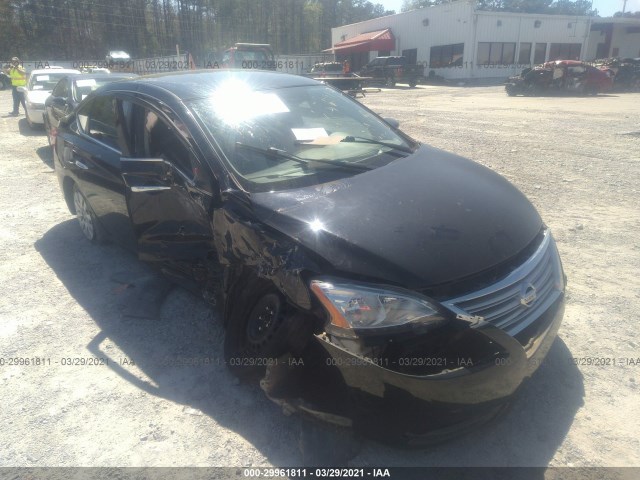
{"x":378,"y":398}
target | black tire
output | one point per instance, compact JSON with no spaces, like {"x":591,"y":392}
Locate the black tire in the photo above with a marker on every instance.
{"x":257,"y":334}
{"x":590,"y":90}
{"x":510,"y":90}
{"x":390,"y":82}
{"x":47,"y":129}
{"x":86,"y":218}
{"x":413,"y":82}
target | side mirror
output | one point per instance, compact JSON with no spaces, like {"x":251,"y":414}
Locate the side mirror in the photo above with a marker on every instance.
{"x":392,"y":122}
{"x":22,"y":89}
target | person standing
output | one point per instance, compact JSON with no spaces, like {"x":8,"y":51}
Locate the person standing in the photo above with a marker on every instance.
{"x":18,"y":77}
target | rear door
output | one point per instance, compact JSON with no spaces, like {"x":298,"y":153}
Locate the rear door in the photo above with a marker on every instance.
{"x":169,"y":192}
{"x":95,"y":160}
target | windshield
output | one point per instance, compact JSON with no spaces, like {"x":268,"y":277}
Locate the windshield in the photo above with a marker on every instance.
{"x":297,"y":136}
{"x":84,"y":86}
{"x":45,"y":81}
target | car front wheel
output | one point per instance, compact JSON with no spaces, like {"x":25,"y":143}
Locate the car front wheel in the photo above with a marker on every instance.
{"x":256,"y":336}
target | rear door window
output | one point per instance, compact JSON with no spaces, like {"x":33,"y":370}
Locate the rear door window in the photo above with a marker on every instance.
{"x":99,"y":120}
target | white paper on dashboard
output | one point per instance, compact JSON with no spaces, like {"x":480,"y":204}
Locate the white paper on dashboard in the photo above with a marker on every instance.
{"x":309,"y":134}
{"x":86,"y":82}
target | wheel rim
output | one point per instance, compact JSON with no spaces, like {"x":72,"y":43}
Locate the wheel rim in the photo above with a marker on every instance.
{"x":83,"y":214}
{"x":263,"y":322}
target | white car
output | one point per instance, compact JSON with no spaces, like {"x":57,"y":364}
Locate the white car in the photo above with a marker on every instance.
{"x":39,"y":86}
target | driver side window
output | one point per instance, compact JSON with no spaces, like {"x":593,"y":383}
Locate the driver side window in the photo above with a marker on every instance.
{"x":157,"y":137}
{"x":62,"y":89}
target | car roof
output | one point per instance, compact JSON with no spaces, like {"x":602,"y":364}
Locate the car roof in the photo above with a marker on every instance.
{"x":42,"y":71}
{"x":98,"y":76}
{"x":201,"y":83}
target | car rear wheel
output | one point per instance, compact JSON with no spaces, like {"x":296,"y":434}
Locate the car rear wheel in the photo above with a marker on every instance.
{"x":85,"y":216}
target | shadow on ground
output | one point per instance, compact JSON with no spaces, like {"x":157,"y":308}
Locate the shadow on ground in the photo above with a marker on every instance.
{"x":27,"y":131}
{"x":46,"y":155}
{"x":187,"y":330}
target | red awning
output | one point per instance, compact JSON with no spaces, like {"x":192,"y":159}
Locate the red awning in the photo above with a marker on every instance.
{"x":381,"y":40}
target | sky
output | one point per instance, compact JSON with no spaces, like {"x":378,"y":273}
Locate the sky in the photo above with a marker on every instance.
{"x":606,"y":8}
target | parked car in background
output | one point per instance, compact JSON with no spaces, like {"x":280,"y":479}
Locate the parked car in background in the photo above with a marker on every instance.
{"x":414,"y":289}
{"x":327,"y":69}
{"x":39,"y":86}
{"x":69,"y":92}
{"x":625,"y":73}
{"x":254,"y":56}
{"x":559,"y":77}
{"x":392,"y":70}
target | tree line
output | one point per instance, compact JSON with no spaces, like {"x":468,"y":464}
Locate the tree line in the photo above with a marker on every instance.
{"x":89,"y":29}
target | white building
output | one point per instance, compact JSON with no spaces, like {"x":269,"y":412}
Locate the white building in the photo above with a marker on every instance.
{"x":459,"y":41}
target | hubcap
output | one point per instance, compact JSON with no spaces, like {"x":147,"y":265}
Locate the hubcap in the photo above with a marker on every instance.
{"x":83,"y":214}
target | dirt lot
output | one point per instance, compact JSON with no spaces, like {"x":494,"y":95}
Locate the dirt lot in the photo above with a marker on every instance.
{"x":577,"y":159}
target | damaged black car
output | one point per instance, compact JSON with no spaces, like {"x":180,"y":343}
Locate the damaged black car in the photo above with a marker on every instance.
{"x":364,"y":279}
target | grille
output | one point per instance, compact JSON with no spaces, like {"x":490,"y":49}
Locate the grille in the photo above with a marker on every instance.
{"x":519,"y":299}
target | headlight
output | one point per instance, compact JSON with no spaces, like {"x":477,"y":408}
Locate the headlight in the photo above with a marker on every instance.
{"x":363,"y":307}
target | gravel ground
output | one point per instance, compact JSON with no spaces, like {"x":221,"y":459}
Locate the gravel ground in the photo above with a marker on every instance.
{"x":577,"y":159}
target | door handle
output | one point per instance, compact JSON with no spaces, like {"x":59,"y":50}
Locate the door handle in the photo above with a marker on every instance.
{"x":81,"y":165}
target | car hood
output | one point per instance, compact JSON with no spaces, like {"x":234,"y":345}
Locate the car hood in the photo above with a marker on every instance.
{"x":427,"y":219}
{"x":38,"y":96}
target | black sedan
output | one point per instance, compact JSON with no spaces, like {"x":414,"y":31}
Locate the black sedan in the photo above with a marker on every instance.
{"x":369,"y":280}
{"x":69,"y":92}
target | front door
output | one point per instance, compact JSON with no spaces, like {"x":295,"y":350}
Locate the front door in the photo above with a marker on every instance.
{"x":169,"y":194}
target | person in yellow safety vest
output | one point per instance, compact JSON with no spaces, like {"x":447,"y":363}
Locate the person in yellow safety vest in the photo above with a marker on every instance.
{"x":18,"y":77}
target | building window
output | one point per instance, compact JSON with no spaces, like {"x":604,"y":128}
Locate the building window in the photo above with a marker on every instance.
{"x":565,"y":51}
{"x":540,"y":53}
{"x":524,"y":58}
{"x":446,"y":55}
{"x":384,"y":53}
{"x":496,"y":53}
